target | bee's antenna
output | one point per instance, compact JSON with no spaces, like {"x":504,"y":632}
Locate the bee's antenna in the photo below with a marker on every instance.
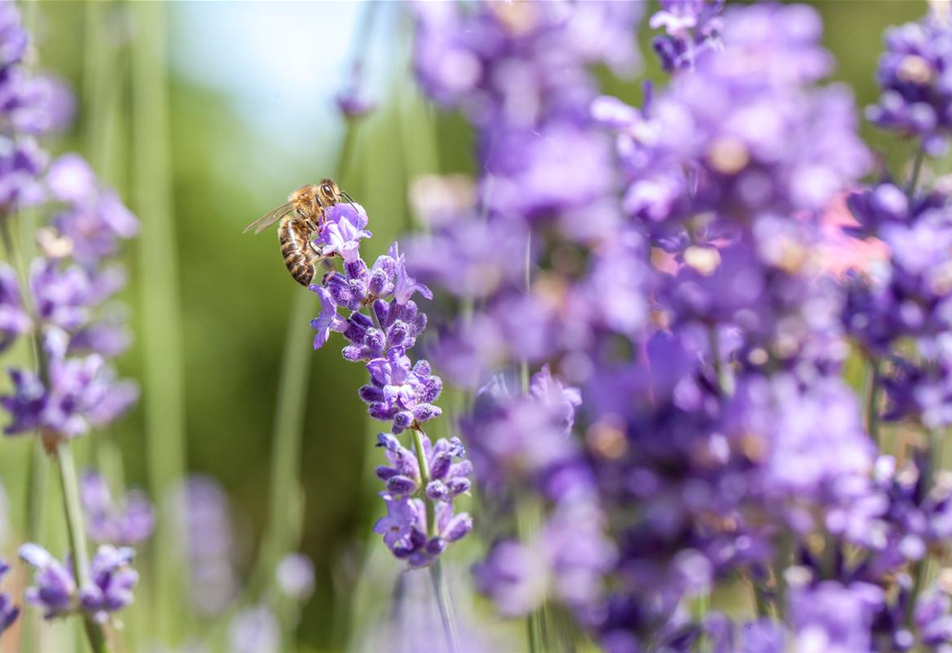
{"x":350,"y":200}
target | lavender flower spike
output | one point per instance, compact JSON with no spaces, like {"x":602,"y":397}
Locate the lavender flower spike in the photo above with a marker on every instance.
{"x":422,"y":483}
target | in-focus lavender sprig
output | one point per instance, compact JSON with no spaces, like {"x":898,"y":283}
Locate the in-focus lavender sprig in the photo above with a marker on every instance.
{"x":422,"y":482}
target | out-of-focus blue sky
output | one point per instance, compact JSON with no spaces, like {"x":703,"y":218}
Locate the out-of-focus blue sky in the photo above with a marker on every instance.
{"x":281,"y":64}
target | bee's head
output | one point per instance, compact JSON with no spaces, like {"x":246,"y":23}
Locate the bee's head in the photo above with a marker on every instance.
{"x":328,"y":192}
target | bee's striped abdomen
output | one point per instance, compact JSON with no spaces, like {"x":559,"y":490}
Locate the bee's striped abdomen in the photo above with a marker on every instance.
{"x":293,"y":235}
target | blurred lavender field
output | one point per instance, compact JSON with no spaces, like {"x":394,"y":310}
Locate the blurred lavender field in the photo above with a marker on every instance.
{"x":634,"y":338}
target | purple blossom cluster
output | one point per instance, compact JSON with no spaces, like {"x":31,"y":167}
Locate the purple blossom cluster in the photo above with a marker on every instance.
{"x":691,"y":27}
{"x":109,"y":590}
{"x":914,"y":75}
{"x":125,"y":522}
{"x":423,"y":482}
{"x":65,"y":303}
{"x":659,"y":268}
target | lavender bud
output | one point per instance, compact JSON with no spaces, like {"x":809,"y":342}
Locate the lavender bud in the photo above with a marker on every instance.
{"x":401,"y":421}
{"x":458,"y":486}
{"x":388,"y":442}
{"x":355,"y":269}
{"x":379,"y":283}
{"x":458,"y":528}
{"x":462,"y":468}
{"x":385,"y":473}
{"x":440,"y":465}
{"x":352,"y":354}
{"x":422,"y":368}
{"x":431,"y":389}
{"x":437,"y":491}
{"x":401,"y":485}
{"x":436,"y":546}
{"x":418,"y":324}
{"x":381,"y":411}
{"x":397,"y":334}
{"x":426,"y":412}
{"x":370,"y":394}
{"x":375,"y":340}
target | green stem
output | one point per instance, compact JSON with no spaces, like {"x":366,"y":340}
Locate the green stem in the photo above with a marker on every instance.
{"x":443,"y":599}
{"x":760,"y":601}
{"x":38,"y":473}
{"x":424,"y":480}
{"x":163,"y":376}
{"x":784,"y":555}
{"x":724,"y":382}
{"x":700,"y":606}
{"x":445,"y":604}
{"x":916,"y":169}
{"x":871,"y":400}
{"x":920,"y":569}
{"x":77,"y":536}
{"x":288,"y":426}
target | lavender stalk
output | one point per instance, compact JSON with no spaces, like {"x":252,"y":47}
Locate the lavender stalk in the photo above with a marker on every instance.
{"x":161,"y":316}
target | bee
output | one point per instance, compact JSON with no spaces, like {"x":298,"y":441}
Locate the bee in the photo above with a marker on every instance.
{"x":302,"y":218}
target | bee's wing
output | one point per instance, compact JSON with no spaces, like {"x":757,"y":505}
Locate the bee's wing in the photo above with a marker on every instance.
{"x":269,"y":218}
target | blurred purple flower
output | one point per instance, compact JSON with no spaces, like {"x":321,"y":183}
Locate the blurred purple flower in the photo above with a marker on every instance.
{"x":82,"y":393}
{"x":8,"y":611}
{"x":55,"y":588}
{"x":914,"y":74}
{"x":833,"y":617}
{"x":14,"y":320}
{"x":112,"y":580}
{"x":254,"y":629}
{"x":126,"y":522}
{"x":208,"y":539}
{"x":295,"y":576}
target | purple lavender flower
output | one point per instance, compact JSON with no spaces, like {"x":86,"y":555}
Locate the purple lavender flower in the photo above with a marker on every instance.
{"x":328,"y":319}
{"x":55,"y":588}
{"x":61,"y":295}
{"x":8,"y":611}
{"x":404,"y":528}
{"x":914,"y":76}
{"x":834,"y":617}
{"x":112,"y":580}
{"x":94,"y":220}
{"x":81,"y":393}
{"x":254,"y":630}
{"x":20,"y":164}
{"x":692,"y":27}
{"x":12,"y":35}
{"x":342,"y":231}
{"x":14,"y":320}
{"x":110,"y":590}
{"x":295,"y":576}
{"x":208,"y":537}
{"x":420,"y":523}
{"x":129,"y":521}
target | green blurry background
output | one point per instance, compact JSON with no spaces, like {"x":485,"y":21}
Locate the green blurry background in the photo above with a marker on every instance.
{"x":251,"y":116}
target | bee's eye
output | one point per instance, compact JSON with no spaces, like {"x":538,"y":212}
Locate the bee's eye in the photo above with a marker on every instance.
{"x":326,"y":189}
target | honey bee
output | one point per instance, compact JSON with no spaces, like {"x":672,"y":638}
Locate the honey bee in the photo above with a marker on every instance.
{"x":302,"y":218}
